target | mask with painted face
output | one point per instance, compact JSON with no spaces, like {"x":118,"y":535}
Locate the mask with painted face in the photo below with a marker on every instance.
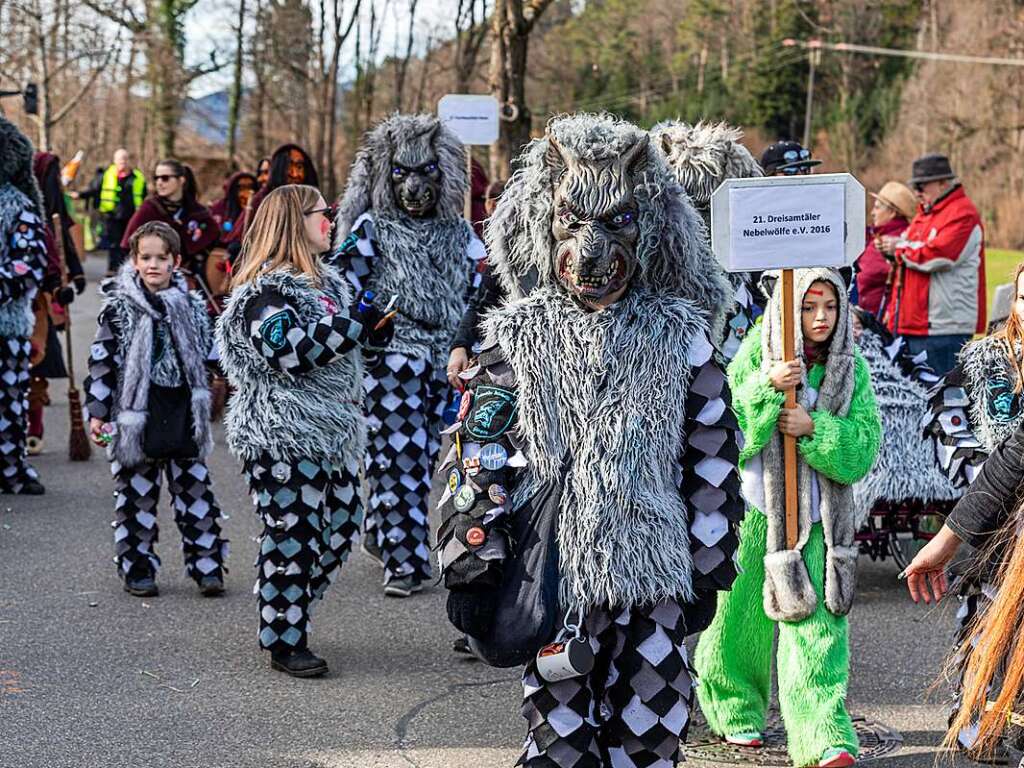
{"x":595,"y":220}
{"x":296,"y":167}
{"x":416,"y":175}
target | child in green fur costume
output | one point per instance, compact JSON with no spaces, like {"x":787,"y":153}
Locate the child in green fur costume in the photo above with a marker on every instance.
{"x":805,"y":591}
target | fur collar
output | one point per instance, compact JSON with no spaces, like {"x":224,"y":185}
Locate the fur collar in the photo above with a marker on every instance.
{"x":602,"y":408}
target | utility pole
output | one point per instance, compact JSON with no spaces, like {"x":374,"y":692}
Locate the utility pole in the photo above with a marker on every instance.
{"x":813,"y":59}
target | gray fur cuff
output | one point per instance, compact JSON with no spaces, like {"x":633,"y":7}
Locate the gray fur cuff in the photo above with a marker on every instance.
{"x":840,"y":579}
{"x":788,"y":592}
{"x":127,"y":446}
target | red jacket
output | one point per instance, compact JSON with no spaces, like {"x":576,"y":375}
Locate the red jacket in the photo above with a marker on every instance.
{"x":873,"y":267}
{"x":940,"y":285}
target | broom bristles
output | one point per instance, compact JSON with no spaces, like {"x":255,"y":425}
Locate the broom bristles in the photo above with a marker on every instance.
{"x":79,"y":447}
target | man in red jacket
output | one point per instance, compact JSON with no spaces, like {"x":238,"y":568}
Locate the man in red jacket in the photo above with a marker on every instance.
{"x":937,"y":301}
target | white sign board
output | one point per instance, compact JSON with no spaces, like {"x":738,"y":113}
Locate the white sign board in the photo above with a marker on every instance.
{"x":781,"y":222}
{"x":474,"y":119}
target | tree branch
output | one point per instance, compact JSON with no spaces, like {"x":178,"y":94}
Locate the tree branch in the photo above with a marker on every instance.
{"x":70,"y":104}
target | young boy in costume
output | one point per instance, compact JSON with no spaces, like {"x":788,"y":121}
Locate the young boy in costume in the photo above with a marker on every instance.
{"x":808,"y":590}
{"x":148,"y":399}
{"x":598,"y":382}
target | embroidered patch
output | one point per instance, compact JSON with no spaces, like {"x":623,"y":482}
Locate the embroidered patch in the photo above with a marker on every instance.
{"x":274,"y":330}
{"x":492,"y":414}
{"x":1003,"y":403}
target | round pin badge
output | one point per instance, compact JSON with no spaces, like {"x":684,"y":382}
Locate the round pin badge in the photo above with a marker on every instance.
{"x":493,"y":456}
{"x":454,"y":479}
{"x":465,"y":498}
{"x":475,"y":536}
{"x":497,"y":494}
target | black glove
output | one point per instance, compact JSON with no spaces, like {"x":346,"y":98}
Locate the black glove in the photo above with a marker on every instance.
{"x":79,"y":281}
{"x":472,"y":613}
{"x":369,"y":316}
{"x":65,"y":295}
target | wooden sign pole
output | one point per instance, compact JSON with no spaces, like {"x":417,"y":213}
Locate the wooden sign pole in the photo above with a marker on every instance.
{"x":468,"y":212}
{"x":788,"y":441}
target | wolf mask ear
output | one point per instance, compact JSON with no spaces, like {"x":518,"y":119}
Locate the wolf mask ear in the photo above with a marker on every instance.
{"x":555,"y":157}
{"x":666,"y":144}
{"x":634,"y":159}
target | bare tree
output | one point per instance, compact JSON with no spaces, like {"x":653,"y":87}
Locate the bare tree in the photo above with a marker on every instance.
{"x":235,"y":95}
{"x":470,"y":32}
{"x":511,"y":24}
{"x":53,"y":59}
{"x":402,"y":63}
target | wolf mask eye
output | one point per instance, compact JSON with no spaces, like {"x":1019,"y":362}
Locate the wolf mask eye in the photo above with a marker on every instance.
{"x":624,"y":219}
{"x":568,"y":219}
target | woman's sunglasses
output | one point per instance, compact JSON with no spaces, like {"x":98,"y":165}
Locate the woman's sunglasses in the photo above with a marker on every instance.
{"x":163,"y":177}
{"x":327,"y":211}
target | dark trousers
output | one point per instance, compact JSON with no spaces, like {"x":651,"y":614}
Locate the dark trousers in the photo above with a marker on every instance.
{"x":941,"y":350}
{"x":15,"y":470}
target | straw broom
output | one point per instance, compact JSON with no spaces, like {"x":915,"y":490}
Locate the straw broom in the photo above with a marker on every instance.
{"x":79,"y":447}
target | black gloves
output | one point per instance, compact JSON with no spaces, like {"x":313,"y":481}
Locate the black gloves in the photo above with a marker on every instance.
{"x":65,"y":295}
{"x":472,"y":613}
{"x":372,"y":339}
{"x":79,"y":281}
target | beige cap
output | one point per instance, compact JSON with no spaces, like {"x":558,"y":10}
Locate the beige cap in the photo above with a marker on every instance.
{"x":898,"y":197}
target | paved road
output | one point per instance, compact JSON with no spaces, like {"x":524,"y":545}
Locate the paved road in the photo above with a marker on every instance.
{"x":90,"y":676}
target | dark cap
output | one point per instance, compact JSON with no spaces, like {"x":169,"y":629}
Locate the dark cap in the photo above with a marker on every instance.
{"x":786,"y":157}
{"x":933,"y":167}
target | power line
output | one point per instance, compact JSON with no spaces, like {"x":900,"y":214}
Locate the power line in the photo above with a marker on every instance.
{"x":962,"y":58}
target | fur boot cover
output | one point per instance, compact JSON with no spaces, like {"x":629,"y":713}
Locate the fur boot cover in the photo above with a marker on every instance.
{"x":139,"y":317}
{"x":423,"y":260}
{"x":907,"y":466}
{"x":16,"y":318}
{"x":788,"y":594}
{"x":622,"y":526}
{"x":316,"y":415}
{"x":673,"y":252}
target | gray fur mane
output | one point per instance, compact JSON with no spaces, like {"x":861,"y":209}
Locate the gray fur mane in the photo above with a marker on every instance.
{"x":16,"y":153}
{"x":369,"y":180}
{"x":673,"y":255}
{"x":704,"y":155}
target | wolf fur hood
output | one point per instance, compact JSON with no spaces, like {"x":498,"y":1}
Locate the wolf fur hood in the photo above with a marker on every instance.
{"x":704,"y":155}
{"x":427,"y":262}
{"x":788,"y":593}
{"x":16,"y":153}
{"x":185,"y":341}
{"x":673,"y":255}
{"x":316,"y":415}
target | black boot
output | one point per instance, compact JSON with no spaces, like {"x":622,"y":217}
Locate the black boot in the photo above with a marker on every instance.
{"x":211,"y":586}
{"x":302,"y":663}
{"x":141,"y":584}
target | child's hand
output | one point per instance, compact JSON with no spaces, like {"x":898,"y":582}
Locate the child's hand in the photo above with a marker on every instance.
{"x":785,"y":376}
{"x":96,"y":431}
{"x":795,"y":422}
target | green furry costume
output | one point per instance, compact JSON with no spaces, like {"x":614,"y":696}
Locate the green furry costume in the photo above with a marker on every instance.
{"x":733,"y":658}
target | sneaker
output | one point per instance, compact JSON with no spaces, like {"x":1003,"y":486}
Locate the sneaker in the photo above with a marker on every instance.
{"x":745,"y":739}
{"x":836,"y":757}
{"x":403,"y":587}
{"x":141,"y":586}
{"x":371,"y":550}
{"x":461,"y":647}
{"x":32,"y":488}
{"x":302,"y":663}
{"x":211,"y":586}
{"x":34,"y":446}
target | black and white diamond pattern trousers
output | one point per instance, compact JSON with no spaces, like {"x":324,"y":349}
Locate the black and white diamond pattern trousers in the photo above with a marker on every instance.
{"x":311,"y":514}
{"x":404,"y":403}
{"x":15,"y":470}
{"x":136,"y":532}
{"x":631,"y":711}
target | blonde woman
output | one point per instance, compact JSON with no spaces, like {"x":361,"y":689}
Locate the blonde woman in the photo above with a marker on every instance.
{"x":289,"y":343}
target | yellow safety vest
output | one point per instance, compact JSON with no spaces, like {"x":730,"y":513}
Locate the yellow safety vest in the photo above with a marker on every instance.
{"x":110,"y":189}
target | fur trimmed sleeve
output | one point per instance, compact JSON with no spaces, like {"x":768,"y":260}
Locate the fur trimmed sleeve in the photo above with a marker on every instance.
{"x":755,"y":401}
{"x":25,"y":266}
{"x":287,"y":345}
{"x":710,"y":483}
{"x":844,"y":448}
{"x":959,"y":451}
{"x":104,"y":362}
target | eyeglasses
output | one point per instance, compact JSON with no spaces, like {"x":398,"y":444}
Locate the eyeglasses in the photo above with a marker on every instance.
{"x":162,"y":177}
{"x":327,"y":211}
{"x":919,"y":187}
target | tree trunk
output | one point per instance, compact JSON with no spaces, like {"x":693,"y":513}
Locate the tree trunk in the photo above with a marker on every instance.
{"x":235,"y":97}
{"x":126,"y":96}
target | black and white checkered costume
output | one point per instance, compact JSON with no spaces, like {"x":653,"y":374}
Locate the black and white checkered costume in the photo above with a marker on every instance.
{"x":137,"y":487}
{"x":406,"y":393}
{"x":22,"y":267}
{"x":307,"y":495}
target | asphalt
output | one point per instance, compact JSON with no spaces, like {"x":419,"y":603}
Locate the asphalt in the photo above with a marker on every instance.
{"x":91,"y":677}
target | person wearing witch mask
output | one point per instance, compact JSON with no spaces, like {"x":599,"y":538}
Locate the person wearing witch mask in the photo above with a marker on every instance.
{"x":806,"y":591}
{"x":262,"y":173}
{"x":290,"y":164}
